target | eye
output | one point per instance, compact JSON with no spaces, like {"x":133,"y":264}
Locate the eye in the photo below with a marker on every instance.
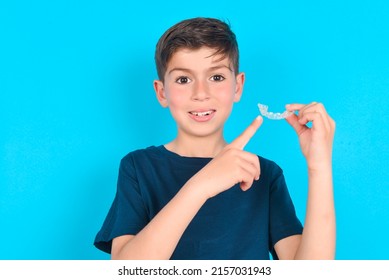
{"x":217,"y":78}
{"x":183,"y":80}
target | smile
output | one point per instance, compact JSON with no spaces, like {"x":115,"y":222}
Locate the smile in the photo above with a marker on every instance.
{"x":201,"y":114}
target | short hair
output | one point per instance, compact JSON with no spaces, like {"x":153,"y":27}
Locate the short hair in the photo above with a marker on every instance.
{"x":193,"y":34}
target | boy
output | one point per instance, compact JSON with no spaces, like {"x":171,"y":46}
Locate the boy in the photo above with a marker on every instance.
{"x":182,"y":200}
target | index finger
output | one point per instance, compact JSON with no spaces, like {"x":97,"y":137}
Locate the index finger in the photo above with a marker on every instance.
{"x":241,"y":141}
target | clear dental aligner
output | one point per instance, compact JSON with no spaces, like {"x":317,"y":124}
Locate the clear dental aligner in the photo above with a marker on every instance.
{"x":271,"y":115}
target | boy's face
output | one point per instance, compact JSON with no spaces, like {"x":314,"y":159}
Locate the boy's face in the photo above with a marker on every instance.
{"x":199,"y":90}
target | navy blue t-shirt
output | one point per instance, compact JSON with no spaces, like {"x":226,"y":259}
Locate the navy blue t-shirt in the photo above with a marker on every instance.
{"x":232,"y":225}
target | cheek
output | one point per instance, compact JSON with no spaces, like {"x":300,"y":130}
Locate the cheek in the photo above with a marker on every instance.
{"x":226,"y":94}
{"x":176,"y":98}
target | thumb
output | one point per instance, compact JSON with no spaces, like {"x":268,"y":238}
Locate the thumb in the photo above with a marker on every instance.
{"x":241,"y":141}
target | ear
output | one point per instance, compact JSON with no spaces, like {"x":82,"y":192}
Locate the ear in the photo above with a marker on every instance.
{"x":240,"y":78}
{"x":160,"y":93}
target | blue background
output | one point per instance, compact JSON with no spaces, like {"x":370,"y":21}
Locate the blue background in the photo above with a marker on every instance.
{"x":76,"y":96}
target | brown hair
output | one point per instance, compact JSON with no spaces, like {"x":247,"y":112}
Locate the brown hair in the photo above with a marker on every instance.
{"x":193,"y":34}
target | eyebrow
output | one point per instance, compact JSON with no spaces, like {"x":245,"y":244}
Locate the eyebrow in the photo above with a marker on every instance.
{"x":219,"y":67}
{"x":213,"y":68}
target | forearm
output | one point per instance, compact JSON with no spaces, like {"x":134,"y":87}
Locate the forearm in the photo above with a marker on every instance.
{"x":160,"y":237}
{"x":319,"y":234}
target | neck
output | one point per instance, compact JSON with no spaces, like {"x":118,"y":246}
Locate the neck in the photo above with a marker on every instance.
{"x":205,"y":147}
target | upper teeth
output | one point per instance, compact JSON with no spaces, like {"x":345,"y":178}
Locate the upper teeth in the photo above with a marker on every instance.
{"x":201,"y":114}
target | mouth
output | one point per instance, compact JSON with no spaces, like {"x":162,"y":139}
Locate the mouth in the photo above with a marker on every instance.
{"x":201,"y":113}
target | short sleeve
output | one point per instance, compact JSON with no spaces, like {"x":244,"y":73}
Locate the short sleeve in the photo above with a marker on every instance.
{"x":283,"y":220}
{"x":128,"y":214}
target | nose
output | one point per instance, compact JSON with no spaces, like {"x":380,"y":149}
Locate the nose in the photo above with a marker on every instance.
{"x":200,"y":91}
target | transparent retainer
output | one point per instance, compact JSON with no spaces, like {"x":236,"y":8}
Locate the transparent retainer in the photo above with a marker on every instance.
{"x":273,"y":116}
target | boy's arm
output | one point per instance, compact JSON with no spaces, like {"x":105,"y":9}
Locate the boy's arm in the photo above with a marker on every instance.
{"x":160,"y":237}
{"x":318,"y":238}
